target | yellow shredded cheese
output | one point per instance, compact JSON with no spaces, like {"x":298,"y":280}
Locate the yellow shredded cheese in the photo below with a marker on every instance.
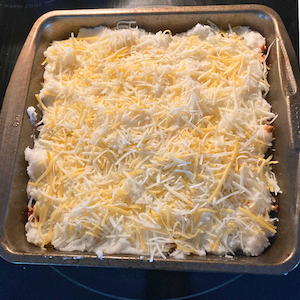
{"x":149,"y":141}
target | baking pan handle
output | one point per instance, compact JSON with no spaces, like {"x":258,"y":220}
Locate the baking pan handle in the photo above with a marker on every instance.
{"x":11,"y":120}
{"x":295,"y":120}
{"x":289,"y":73}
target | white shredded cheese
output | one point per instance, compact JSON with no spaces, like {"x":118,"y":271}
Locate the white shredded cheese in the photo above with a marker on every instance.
{"x":153,"y":144}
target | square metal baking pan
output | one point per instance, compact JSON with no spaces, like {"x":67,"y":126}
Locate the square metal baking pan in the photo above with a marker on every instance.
{"x":15,"y":132}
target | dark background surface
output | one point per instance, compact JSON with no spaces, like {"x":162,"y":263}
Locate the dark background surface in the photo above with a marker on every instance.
{"x":33,"y":282}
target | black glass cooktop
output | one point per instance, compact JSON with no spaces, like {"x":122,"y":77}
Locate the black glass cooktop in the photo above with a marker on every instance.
{"x":47,"y":282}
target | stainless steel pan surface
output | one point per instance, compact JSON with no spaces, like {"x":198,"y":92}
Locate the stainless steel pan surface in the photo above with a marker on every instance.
{"x":15,"y":132}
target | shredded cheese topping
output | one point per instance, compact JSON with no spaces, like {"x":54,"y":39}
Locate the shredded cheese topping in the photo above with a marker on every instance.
{"x":153,"y":144}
